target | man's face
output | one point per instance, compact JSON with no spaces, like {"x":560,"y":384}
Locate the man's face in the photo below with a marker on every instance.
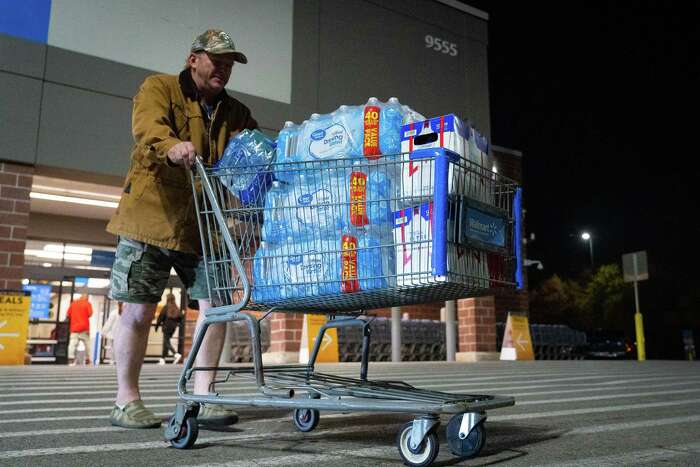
{"x":210,"y":72}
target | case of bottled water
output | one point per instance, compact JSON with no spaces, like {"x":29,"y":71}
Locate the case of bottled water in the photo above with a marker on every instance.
{"x":296,"y":268}
{"x":368,"y":131}
{"x":327,"y":217}
{"x":244,"y":163}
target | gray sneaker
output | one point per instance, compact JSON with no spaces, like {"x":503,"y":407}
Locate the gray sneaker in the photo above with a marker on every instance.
{"x":217,"y":414}
{"x":134,"y":415}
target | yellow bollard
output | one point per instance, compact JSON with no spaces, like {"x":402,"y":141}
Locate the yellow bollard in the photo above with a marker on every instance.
{"x":639,"y":325}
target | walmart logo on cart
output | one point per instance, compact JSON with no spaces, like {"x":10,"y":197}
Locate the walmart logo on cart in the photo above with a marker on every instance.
{"x":486,"y":228}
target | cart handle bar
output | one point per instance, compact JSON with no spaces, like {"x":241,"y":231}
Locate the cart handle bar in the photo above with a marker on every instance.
{"x":209,"y":193}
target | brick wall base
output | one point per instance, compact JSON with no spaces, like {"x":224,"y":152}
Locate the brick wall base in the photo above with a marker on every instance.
{"x":424,"y":311}
{"x":476,"y":319}
{"x":285,"y":338}
{"x":15,"y":185}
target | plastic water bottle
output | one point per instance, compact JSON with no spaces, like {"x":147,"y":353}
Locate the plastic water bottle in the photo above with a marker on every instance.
{"x":351,"y":116}
{"x":410,"y":115}
{"x":260,"y":287}
{"x":286,"y":151}
{"x":390,"y":121}
{"x":268,"y":274}
{"x":379,"y":196}
{"x":370,"y":193}
{"x":367,"y":259}
{"x":275,"y":214}
{"x":319,"y":206}
{"x":249,"y":153}
{"x":310,"y":268}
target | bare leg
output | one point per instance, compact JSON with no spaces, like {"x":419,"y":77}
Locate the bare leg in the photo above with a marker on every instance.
{"x":130,"y":344}
{"x":209,"y":352}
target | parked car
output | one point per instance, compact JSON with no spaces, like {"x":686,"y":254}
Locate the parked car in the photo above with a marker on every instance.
{"x":609,"y":345}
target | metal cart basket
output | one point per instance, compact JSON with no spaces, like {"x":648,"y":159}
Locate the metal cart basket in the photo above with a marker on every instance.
{"x":341,"y":237}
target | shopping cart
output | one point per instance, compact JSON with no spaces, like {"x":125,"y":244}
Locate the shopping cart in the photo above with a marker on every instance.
{"x":444,"y":229}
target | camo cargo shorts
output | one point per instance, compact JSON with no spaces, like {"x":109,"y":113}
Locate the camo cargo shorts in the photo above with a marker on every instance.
{"x":140,"y":272}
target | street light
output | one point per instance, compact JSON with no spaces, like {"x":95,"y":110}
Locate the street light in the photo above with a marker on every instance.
{"x":589,"y":238}
{"x":532,"y":262}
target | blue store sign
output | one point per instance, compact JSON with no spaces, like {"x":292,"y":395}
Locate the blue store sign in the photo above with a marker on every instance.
{"x":41,"y":300}
{"x":102,"y":258}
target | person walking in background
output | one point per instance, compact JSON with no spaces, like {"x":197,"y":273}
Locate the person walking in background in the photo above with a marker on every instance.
{"x":79,"y":314}
{"x":170,"y":318}
{"x":109,"y":330}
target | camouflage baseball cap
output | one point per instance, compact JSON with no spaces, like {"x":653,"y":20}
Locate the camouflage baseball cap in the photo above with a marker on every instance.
{"x":216,"y":41}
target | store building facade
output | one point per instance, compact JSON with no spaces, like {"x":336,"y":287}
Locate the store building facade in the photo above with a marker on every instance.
{"x":69,"y":71}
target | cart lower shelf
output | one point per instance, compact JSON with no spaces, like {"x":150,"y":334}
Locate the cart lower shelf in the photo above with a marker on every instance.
{"x":294,"y":386}
{"x":307,"y":392}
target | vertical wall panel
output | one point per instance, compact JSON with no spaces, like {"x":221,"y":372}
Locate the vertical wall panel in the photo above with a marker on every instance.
{"x":367,"y":50}
{"x":21,"y":56}
{"x":84,"y":130}
{"x":157,"y":35}
{"x":477,"y":81}
{"x":19,"y":114}
{"x":96,"y":74}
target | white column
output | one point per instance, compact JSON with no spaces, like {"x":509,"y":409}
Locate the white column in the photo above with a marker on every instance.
{"x":228,"y":342}
{"x":396,"y":334}
{"x":451,"y":330}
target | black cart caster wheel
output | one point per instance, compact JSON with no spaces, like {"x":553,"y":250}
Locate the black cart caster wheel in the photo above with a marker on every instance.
{"x":469,"y":446}
{"x":187,"y":435}
{"x":306,"y":419}
{"x":426,"y":452}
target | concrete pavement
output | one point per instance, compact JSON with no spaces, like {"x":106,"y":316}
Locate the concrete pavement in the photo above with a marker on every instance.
{"x":566,"y":413}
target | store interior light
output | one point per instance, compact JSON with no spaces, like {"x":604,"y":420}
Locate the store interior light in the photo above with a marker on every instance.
{"x":57,"y":255}
{"x":47,"y":265}
{"x":80,"y":250}
{"x":74,"y":200}
{"x":72,"y":192}
{"x":97,"y":283}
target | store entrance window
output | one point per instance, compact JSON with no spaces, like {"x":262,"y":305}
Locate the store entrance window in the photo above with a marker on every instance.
{"x":57,"y":274}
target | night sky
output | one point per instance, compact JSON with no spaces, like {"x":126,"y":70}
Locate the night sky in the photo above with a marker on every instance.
{"x":601,"y":99}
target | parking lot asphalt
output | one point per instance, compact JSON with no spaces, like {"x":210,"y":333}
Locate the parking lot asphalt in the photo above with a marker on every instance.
{"x":567,"y":413}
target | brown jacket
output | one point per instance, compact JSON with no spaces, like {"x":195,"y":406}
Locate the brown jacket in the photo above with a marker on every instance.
{"x":156,"y":206}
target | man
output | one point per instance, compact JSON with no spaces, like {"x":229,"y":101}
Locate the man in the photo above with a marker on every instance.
{"x":79,"y":313}
{"x":174,"y":119}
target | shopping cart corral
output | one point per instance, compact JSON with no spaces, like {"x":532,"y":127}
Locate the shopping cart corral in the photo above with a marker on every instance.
{"x":449,"y":234}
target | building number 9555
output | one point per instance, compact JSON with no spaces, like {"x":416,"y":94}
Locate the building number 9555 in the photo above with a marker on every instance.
{"x":441,"y":45}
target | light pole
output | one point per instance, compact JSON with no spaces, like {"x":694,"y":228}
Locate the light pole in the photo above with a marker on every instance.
{"x":589,"y":238}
